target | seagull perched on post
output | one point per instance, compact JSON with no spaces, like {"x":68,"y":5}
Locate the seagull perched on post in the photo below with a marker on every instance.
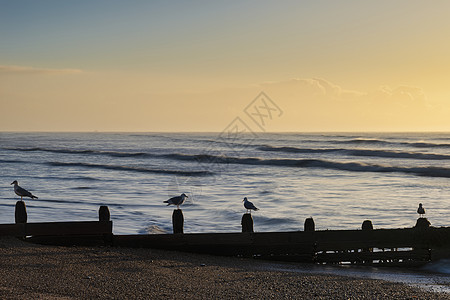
{"x":178,"y":200}
{"x":421,"y":210}
{"x":22,"y":192}
{"x":249,"y":206}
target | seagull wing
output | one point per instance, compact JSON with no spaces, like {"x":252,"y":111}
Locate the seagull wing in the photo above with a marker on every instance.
{"x":23,"y":192}
{"x":174,"y":200}
{"x":249,"y":205}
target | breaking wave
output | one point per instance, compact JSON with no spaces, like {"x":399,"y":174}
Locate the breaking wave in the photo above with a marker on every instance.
{"x":207,"y":159}
{"x":360,"y":152}
{"x":76,"y":151}
{"x":418,"y":144}
{"x":326,"y":164}
{"x":129,"y":168}
{"x":428,"y":171}
{"x":440,"y":266}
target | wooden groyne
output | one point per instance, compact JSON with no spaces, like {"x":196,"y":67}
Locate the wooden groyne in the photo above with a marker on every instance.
{"x":388,"y":247}
{"x":60,"y":233}
{"x":407,"y":246}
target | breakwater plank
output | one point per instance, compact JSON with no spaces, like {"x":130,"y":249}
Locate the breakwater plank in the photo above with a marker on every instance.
{"x":328,"y":246}
{"x":69,"y":228}
{"x":12,"y":229}
{"x":57,"y":228}
{"x":71,"y":240}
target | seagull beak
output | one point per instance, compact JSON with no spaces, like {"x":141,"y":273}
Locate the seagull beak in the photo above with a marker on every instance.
{"x":12,"y":182}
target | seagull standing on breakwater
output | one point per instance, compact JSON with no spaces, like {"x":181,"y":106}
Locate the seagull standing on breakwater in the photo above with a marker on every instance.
{"x":178,"y":200}
{"x":22,"y":192}
{"x":249,"y":206}
{"x":421,"y":210}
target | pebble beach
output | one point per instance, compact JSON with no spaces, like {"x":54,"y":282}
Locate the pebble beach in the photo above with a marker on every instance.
{"x":30,"y":271}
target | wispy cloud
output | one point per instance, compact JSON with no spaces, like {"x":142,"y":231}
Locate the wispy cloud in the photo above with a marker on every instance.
{"x":309,"y":88}
{"x":321,"y":105}
{"x":31,"y":70}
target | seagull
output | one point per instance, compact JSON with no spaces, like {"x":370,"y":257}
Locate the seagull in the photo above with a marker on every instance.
{"x":249,"y":206}
{"x":421,"y":210}
{"x":178,"y":200}
{"x":22,"y":192}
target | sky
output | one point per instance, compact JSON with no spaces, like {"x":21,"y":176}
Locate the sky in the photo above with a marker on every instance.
{"x":161,"y":66}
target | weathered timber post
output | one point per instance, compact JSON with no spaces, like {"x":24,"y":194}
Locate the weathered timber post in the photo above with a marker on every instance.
{"x":177,"y":221}
{"x":103,"y":213}
{"x":367,"y":225}
{"x":247,"y":223}
{"x":421,"y":235}
{"x":105,"y":216}
{"x":21,"y":212}
{"x":422,"y":223}
{"x":309,"y":224}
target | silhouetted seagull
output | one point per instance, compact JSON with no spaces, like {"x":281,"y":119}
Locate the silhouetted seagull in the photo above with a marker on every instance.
{"x":22,"y":192}
{"x":178,"y":200}
{"x":249,"y":206}
{"x":421,"y":210}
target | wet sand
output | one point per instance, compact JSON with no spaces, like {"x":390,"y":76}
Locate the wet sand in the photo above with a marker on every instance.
{"x":31,"y":271}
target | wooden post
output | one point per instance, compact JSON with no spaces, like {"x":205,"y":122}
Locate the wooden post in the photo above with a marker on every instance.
{"x":103,"y":213}
{"x":367,"y":225}
{"x":422,"y":223}
{"x":177,"y":221}
{"x":105,"y":216}
{"x":247,"y":223}
{"x":309,"y":225}
{"x":21,"y":212}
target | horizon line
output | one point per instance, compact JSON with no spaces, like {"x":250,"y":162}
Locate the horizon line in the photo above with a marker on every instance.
{"x":218,"y":132}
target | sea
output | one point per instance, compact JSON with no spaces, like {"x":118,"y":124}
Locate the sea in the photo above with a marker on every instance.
{"x":338,"y":179}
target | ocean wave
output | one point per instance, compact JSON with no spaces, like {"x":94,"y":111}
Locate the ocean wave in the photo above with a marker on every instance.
{"x":286,"y":149}
{"x":429,"y":171}
{"x":101,"y":152}
{"x":365,"y":141}
{"x":82,"y":178}
{"x":298,"y":150}
{"x":359,"y":152}
{"x":71,"y":201}
{"x":154,"y":229}
{"x":11,"y":161}
{"x":206,"y":160}
{"x":440,"y":266}
{"x":75,"y":151}
{"x":427,"y":144}
{"x":274,"y":221}
{"x":222,"y":139}
{"x":129,"y":168}
{"x":418,"y":144}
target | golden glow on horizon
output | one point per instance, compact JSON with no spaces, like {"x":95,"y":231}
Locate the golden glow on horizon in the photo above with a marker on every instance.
{"x":85,"y":102}
{"x":335,"y":67}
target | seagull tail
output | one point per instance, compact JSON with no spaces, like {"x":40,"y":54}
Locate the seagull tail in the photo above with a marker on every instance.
{"x":34,"y":197}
